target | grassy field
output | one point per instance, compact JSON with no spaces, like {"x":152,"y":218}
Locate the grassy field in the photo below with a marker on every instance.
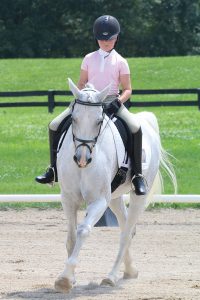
{"x":146,"y":73}
{"x":23,"y":135}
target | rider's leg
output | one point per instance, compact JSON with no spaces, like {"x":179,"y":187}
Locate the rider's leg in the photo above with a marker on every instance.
{"x":136,"y":150}
{"x":54,"y":135}
{"x":51,"y":173}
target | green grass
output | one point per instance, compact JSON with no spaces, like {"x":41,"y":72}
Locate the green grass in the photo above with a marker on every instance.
{"x":23,"y":131}
{"x":37,"y":74}
{"x":146,"y":73}
{"x":173,"y":205}
{"x":24,"y":205}
{"x":165,"y":72}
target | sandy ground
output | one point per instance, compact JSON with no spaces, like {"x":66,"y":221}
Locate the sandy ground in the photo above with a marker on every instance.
{"x":166,"y":250}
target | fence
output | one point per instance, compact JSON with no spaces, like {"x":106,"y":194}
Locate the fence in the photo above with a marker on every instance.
{"x":51,"y":103}
{"x":57,"y":198}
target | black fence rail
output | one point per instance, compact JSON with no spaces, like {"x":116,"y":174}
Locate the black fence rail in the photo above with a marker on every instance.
{"x":51,"y":103}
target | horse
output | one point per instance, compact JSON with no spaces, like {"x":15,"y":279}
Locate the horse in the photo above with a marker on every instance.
{"x":87,"y":163}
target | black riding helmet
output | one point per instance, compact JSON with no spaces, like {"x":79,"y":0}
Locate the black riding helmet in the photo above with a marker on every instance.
{"x":106,"y":28}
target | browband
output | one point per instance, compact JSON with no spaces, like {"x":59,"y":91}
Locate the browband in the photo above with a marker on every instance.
{"x":88,"y":103}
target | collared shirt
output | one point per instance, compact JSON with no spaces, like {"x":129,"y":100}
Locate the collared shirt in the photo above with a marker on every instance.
{"x":104,"y":68}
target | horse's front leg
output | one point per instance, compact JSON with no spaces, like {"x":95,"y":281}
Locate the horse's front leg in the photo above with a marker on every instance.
{"x":95,"y":211}
{"x":136,"y":206}
{"x":70,"y":208}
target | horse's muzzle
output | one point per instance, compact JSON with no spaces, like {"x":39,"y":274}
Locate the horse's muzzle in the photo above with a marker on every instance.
{"x":82,"y":156}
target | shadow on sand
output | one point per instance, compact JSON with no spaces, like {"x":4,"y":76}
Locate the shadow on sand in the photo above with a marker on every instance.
{"x":80,"y":291}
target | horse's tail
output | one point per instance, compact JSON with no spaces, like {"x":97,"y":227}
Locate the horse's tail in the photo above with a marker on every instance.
{"x":156,"y":189}
{"x":165,"y":160}
{"x":158,"y":186}
{"x":167,"y":166}
{"x":165,"y":157}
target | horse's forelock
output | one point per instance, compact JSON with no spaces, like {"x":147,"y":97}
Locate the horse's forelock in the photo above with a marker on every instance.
{"x":89,"y":94}
{"x":89,"y":86}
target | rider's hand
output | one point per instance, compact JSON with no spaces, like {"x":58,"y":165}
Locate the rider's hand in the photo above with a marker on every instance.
{"x":114,"y":106}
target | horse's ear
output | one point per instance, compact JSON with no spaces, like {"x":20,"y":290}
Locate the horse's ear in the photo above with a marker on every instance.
{"x":73,"y":88}
{"x":102,"y":95}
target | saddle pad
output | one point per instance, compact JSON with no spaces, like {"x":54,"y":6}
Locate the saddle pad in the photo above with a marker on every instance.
{"x":120,"y":149}
{"x":146,"y":154}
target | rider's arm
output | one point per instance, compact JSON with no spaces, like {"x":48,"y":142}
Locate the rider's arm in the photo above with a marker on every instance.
{"x":126,"y":87}
{"x":83,"y":79}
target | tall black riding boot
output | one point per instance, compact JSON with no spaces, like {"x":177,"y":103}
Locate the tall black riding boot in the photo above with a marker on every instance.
{"x":51,"y":174}
{"x":136,"y":163}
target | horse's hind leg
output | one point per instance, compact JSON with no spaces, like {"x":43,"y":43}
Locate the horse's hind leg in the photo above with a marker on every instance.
{"x":120,"y":210}
{"x":136,"y":206}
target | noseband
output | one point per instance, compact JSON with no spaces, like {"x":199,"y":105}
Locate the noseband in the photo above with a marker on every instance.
{"x":94,"y":140}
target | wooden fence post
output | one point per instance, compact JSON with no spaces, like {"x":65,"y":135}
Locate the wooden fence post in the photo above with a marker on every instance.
{"x":198,"y":97}
{"x":51,"y":102}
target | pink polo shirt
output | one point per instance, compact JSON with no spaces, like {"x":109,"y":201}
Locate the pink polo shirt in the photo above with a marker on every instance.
{"x":104,"y":68}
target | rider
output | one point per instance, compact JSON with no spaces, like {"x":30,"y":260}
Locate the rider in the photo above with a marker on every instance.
{"x":101,"y":68}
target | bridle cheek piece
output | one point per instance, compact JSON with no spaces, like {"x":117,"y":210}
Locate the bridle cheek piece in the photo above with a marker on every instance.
{"x":89,"y":141}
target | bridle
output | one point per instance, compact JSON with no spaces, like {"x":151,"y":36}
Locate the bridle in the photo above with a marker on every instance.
{"x":84,"y":142}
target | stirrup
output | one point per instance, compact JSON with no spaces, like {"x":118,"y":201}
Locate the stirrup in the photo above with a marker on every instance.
{"x":52,"y":183}
{"x":144,"y":183}
{"x":49,"y":177}
{"x":139,"y":175}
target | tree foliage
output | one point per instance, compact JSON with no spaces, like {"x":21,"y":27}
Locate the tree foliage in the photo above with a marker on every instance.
{"x":63,"y":28}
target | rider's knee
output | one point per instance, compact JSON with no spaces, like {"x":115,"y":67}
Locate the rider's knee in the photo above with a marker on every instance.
{"x":53,"y":125}
{"x":133,"y":126}
{"x":129,"y":118}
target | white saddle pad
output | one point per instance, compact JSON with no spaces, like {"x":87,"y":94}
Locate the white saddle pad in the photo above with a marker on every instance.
{"x":120,"y":149}
{"x":118,"y":142}
{"x":146,"y":154}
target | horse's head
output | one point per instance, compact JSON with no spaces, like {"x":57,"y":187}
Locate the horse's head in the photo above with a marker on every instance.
{"x":87,"y":118}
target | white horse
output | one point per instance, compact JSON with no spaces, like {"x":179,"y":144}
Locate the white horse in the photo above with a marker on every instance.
{"x":87,"y":162}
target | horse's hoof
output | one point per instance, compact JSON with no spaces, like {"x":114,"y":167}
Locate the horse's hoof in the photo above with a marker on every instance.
{"x":108,"y":282}
{"x":63,"y":285}
{"x":131,"y":274}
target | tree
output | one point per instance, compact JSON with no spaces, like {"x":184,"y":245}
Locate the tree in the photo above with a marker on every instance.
{"x":49,"y":28}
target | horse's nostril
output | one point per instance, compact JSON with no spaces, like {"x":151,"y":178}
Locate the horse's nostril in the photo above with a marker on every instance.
{"x":75,"y":159}
{"x":89,"y":160}
{"x":81,"y":163}
{"x":82,"y":156}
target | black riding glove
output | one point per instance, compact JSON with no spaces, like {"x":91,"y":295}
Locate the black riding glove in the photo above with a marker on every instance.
{"x":113,"y":106}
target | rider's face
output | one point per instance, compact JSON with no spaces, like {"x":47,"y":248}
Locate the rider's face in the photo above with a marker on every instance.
{"x":107,"y":45}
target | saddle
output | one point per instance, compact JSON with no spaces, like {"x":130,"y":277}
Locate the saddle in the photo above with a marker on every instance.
{"x":125,"y":135}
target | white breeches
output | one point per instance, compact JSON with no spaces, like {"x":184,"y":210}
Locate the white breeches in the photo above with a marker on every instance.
{"x":129,"y":118}
{"x":53,"y":125}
